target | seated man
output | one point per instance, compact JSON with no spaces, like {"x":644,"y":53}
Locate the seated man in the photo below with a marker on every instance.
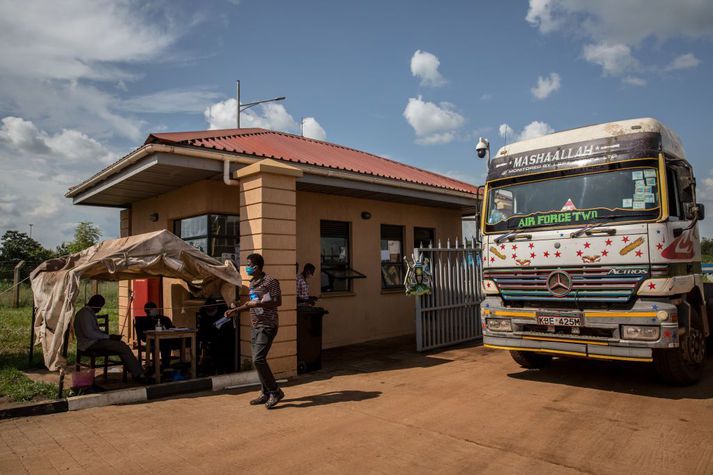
{"x":91,"y":338}
{"x":303,"y":296}
{"x":149,"y":322}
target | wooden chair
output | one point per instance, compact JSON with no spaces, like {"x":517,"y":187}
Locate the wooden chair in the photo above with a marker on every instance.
{"x":92,"y":355}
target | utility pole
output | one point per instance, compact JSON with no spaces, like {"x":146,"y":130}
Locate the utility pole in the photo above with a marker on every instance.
{"x":238,"y":100}
{"x":31,"y":230}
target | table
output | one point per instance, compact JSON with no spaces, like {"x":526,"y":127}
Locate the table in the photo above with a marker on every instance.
{"x":155,"y":337}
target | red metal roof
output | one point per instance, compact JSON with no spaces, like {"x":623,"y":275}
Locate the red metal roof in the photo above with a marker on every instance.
{"x":297,"y":149}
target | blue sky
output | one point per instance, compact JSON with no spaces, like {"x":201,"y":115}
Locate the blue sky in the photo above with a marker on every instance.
{"x":416,"y":81}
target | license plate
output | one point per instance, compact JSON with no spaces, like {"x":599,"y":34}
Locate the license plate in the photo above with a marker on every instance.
{"x":559,"y":321}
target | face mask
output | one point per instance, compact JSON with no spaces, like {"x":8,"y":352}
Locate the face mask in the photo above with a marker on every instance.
{"x":250,"y":270}
{"x":153,"y":312}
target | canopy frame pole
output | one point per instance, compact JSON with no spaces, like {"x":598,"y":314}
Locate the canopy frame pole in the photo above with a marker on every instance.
{"x":32,"y":334}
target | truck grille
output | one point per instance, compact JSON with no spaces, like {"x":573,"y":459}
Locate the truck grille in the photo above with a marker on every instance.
{"x":589,"y":284}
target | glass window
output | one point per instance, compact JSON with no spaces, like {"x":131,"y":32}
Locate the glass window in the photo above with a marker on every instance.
{"x":392,"y":256}
{"x":335,"y":260}
{"x":423,"y":237}
{"x":626,"y":194}
{"x":216,"y":235}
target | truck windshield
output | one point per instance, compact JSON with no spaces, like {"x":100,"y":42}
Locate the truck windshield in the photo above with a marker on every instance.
{"x":615,"y":195}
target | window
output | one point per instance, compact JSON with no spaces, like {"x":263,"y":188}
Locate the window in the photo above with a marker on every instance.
{"x":392,"y":256}
{"x":335,"y":260}
{"x":423,"y":237}
{"x":674,"y":209}
{"x":215,"y":234}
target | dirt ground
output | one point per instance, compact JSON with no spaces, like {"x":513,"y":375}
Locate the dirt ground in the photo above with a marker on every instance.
{"x":464,"y":410}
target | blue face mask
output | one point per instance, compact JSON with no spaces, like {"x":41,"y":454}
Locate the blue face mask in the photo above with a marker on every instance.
{"x":250,"y":270}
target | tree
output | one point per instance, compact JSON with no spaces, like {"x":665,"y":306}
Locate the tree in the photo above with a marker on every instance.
{"x":707,"y":250}
{"x":16,"y":246}
{"x":86,"y":234}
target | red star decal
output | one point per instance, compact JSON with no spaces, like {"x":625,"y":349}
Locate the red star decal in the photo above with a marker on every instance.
{"x":546,"y":254}
{"x":502,"y":247}
{"x":492,"y":259}
{"x":532,"y":245}
{"x":514,"y":247}
{"x":605,"y":253}
{"x":514,"y":256}
{"x":532,"y":255}
{"x":625,"y":239}
{"x":652,"y":286}
{"x":659,"y":246}
{"x":557,"y":254}
{"x":608,"y":242}
{"x":579,"y":253}
{"x":487,"y":284}
{"x":586,"y":245}
{"x":639,"y":253}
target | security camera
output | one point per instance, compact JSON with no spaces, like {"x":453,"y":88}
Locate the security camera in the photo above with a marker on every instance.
{"x":482,"y":147}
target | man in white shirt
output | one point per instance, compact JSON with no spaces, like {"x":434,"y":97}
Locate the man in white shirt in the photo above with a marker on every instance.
{"x":90,"y":337}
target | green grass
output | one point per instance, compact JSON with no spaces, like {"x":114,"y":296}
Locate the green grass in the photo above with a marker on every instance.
{"x":15,"y":338}
{"x":18,"y":387}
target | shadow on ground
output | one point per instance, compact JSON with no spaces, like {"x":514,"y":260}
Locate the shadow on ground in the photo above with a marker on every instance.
{"x":324,"y":399}
{"x":622,"y":377}
{"x":377,"y":356}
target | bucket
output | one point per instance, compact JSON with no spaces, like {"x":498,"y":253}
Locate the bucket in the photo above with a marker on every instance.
{"x":82,"y":378}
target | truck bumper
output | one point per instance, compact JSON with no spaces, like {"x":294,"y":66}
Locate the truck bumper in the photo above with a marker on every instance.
{"x":527,"y":335}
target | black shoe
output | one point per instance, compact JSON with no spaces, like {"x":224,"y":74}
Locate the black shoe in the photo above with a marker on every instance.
{"x":261,"y":399}
{"x":274,"y":399}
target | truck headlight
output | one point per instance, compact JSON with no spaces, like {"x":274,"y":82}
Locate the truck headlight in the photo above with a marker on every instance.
{"x":640,"y":332}
{"x":499,"y":324}
{"x":490,"y":287}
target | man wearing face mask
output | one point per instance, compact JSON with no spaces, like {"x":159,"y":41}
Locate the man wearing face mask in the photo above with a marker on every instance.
{"x":303,"y":296}
{"x":143,"y":324}
{"x":265,"y":297}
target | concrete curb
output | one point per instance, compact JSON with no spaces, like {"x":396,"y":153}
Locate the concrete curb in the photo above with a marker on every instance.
{"x":133,"y":395}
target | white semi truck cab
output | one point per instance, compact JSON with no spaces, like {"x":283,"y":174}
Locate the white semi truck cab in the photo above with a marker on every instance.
{"x":591,"y":249}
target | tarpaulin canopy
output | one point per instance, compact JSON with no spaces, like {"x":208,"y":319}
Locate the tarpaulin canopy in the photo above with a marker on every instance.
{"x":55,"y":283}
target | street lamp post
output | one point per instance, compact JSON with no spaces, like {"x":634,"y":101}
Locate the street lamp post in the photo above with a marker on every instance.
{"x":242,"y":107}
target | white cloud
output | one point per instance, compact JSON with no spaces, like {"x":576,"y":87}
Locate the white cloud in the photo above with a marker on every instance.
{"x":532,"y":130}
{"x":684,"y":61}
{"x":540,"y":14}
{"x":615,"y":59}
{"x":507,"y":133}
{"x":546,"y":86}
{"x":433,"y":123}
{"x":312,"y":129}
{"x":486,"y":97}
{"x":63,"y":63}
{"x":613,"y":29}
{"x":171,"y":101}
{"x":424,"y":65}
{"x":271,"y":116}
{"x":634,"y":81}
{"x":38,"y":167}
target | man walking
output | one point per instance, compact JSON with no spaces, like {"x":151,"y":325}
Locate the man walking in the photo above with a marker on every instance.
{"x":265,"y":297}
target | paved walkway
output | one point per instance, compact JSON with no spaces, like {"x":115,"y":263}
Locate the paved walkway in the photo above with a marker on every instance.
{"x":469,"y":410}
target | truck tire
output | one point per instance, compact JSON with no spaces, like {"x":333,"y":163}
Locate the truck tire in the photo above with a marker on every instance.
{"x":530,"y":359}
{"x":684,"y":365}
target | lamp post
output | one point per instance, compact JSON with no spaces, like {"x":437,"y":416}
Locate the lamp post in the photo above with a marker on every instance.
{"x":242,"y":107}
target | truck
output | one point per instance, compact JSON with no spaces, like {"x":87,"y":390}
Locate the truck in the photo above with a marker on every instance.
{"x":591,"y":249}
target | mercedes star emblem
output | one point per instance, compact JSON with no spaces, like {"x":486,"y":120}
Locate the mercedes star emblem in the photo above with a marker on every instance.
{"x":559,"y":283}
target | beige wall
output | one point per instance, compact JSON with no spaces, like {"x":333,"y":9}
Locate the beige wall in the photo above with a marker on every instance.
{"x":369,"y":313}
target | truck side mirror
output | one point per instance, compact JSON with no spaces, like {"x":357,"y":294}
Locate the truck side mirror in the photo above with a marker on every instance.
{"x":701,"y":212}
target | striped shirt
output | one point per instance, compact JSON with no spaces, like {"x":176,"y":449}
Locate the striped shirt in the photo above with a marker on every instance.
{"x":259,"y":287}
{"x":302,"y":288}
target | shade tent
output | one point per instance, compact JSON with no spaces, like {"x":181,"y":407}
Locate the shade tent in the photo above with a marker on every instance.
{"x":56,"y":282}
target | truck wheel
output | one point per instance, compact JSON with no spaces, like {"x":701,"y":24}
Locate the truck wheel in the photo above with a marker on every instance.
{"x":530,"y":359}
{"x":684,"y":365}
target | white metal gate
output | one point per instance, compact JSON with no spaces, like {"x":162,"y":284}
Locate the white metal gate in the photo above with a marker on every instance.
{"x":450,"y":314}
